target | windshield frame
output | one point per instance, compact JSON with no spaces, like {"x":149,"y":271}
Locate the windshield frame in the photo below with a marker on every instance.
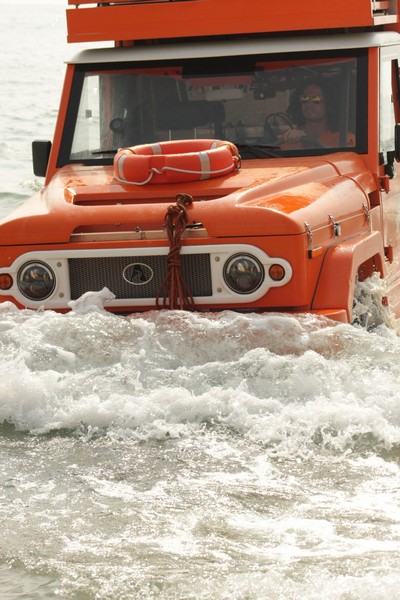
{"x":200,"y":67}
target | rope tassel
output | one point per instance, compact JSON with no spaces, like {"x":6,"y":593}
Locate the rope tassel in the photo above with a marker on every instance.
{"x":174,"y":290}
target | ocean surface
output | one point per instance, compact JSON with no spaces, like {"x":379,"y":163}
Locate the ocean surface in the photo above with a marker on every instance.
{"x":178,"y":455}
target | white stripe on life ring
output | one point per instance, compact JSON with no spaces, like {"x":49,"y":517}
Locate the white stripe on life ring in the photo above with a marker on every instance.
{"x":156,"y":148}
{"x":120,"y":166}
{"x":205,"y":166}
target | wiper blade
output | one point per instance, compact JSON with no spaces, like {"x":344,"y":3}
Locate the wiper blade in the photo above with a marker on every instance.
{"x":258,"y":150}
{"x":111,"y":151}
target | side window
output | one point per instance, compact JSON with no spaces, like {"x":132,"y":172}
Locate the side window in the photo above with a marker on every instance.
{"x":87,"y":131}
{"x":389,"y":56}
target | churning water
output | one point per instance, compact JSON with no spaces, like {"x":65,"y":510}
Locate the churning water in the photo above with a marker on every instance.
{"x":177,"y":455}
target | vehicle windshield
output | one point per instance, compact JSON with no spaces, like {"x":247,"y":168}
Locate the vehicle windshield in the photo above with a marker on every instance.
{"x":268,"y":106}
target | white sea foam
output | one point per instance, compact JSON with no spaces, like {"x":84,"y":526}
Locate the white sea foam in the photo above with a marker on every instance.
{"x":92,"y":301}
{"x":296,"y":385}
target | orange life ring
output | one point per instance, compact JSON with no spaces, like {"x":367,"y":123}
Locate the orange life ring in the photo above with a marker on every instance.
{"x":175,"y":161}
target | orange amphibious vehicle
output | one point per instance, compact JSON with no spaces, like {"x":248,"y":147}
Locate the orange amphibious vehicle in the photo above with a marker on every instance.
{"x":217,"y":156}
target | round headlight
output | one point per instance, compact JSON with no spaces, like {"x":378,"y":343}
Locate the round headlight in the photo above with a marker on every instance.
{"x":243,"y":273}
{"x":36,"y":281}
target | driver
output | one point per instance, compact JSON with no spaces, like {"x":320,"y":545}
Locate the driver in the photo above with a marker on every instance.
{"x":315,"y":123}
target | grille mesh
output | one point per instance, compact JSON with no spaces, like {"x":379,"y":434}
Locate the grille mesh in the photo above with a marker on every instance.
{"x":92,"y":274}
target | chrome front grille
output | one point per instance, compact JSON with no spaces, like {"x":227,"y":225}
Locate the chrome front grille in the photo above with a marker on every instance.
{"x":136,"y":277}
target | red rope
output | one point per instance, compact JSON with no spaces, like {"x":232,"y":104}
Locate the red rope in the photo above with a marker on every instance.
{"x":174,"y":289}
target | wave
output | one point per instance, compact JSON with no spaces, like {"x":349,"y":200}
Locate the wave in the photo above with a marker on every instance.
{"x":297,"y":386}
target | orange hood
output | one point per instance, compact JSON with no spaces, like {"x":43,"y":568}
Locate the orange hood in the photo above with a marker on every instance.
{"x":266,"y":197}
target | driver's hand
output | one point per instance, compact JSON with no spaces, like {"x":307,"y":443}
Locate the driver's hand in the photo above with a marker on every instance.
{"x":291,"y":135}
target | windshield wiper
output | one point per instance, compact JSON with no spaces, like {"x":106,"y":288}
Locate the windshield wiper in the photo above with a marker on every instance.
{"x":253,"y":150}
{"x":111,"y":151}
{"x":258,"y":150}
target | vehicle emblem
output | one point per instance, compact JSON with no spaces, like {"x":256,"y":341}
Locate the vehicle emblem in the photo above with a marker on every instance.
{"x":137,"y":274}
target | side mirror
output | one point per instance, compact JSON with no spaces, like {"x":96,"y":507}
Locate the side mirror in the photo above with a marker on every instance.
{"x":40,"y":155}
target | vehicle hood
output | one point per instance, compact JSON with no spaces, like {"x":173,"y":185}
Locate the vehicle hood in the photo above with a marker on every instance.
{"x":265,"y":197}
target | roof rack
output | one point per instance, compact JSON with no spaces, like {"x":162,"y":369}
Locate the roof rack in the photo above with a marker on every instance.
{"x":131,"y":20}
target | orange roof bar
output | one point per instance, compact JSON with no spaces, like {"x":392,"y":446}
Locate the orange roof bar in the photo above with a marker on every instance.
{"x":125,"y":20}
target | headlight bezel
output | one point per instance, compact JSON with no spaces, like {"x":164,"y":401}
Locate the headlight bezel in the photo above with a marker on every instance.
{"x":44,"y":278}
{"x":246,"y":270}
